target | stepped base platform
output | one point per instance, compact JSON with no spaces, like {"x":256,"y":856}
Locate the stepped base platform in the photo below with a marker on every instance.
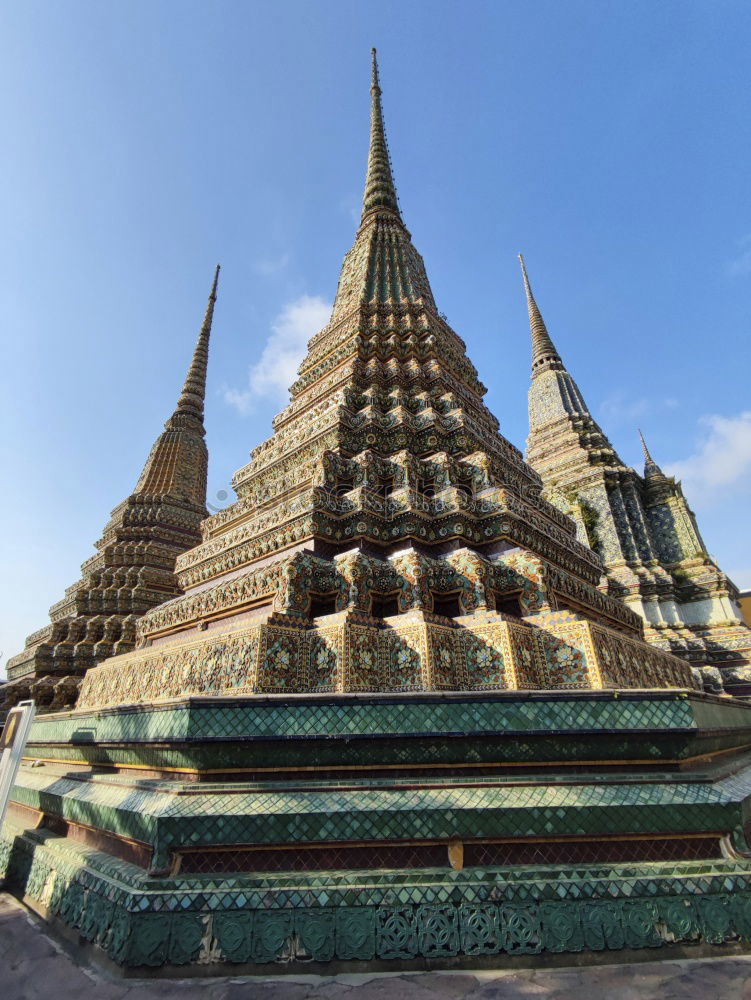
{"x":339,"y":832}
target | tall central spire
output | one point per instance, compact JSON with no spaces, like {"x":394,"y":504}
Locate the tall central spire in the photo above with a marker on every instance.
{"x":383,"y":266}
{"x":380,"y":191}
{"x":194,"y":390}
{"x":544,"y":354}
{"x":385,"y":489}
{"x":178,"y":461}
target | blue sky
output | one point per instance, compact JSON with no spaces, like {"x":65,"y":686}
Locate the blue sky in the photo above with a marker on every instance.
{"x":144,"y":142}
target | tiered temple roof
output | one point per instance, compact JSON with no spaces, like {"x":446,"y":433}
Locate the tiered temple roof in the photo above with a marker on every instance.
{"x":367,"y":731}
{"x":133,"y":568}
{"x":642,"y":527}
{"x":386,"y":536}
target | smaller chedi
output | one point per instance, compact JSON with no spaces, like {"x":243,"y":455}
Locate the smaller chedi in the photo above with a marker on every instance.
{"x":640,"y":525}
{"x":133,"y":568}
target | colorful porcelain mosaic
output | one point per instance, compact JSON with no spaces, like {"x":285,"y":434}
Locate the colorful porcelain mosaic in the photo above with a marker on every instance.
{"x":414,"y":651}
{"x":140,"y":919}
{"x":390,"y":650}
{"x":215,"y":733}
{"x":153,"y":918}
{"x":642,"y":527}
{"x":385,"y":492}
{"x":320,"y":919}
{"x":133,"y":569}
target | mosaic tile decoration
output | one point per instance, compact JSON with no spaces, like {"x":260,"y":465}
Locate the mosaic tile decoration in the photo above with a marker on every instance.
{"x":397,"y":914}
{"x":331,"y":715}
{"x":412,"y":652}
{"x":425,"y":731}
{"x":169,"y":816}
{"x":392,"y":637}
{"x":382,"y":529}
{"x":133,"y":569}
{"x":475,"y":854}
{"x":641,"y":525}
{"x":256,"y":921}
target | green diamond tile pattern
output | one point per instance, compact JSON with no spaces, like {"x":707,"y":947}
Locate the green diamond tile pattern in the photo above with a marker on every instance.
{"x":261,"y":718}
{"x":172,"y":816}
{"x":327,"y":732}
{"x":145,"y":921}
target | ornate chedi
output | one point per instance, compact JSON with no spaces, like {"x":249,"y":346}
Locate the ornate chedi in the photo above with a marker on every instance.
{"x":641,"y":526}
{"x":392,"y":718}
{"x":133,"y":569}
{"x":384,"y":532}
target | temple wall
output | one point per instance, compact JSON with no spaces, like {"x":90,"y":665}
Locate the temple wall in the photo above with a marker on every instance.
{"x":411,"y":652}
{"x":711,"y":611}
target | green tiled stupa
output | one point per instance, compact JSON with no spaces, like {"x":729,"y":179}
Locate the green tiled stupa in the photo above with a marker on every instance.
{"x":391,"y":720}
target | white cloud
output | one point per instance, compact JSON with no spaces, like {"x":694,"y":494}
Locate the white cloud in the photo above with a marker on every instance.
{"x":721,"y":462}
{"x":741,"y":264}
{"x":276,"y":369}
{"x":241,"y":399}
{"x":352,"y":207}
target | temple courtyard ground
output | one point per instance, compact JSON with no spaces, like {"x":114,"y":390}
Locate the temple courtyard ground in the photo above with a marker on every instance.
{"x":34,"y":965}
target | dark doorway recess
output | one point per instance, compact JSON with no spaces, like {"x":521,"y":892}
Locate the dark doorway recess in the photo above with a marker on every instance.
{"x":384,"y":607}
{"x":509,"y":604}
{"x":322,"y":604}
{"x":447,"y":605}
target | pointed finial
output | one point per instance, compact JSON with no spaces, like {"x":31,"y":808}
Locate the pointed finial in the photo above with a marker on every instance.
{"x":544,"y":354}
{"x":525,"y":276}
{"x":652,"y":470}
{"x":380,"y":191}
{"x":194,"y":390}
{"x":647,"y":456}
